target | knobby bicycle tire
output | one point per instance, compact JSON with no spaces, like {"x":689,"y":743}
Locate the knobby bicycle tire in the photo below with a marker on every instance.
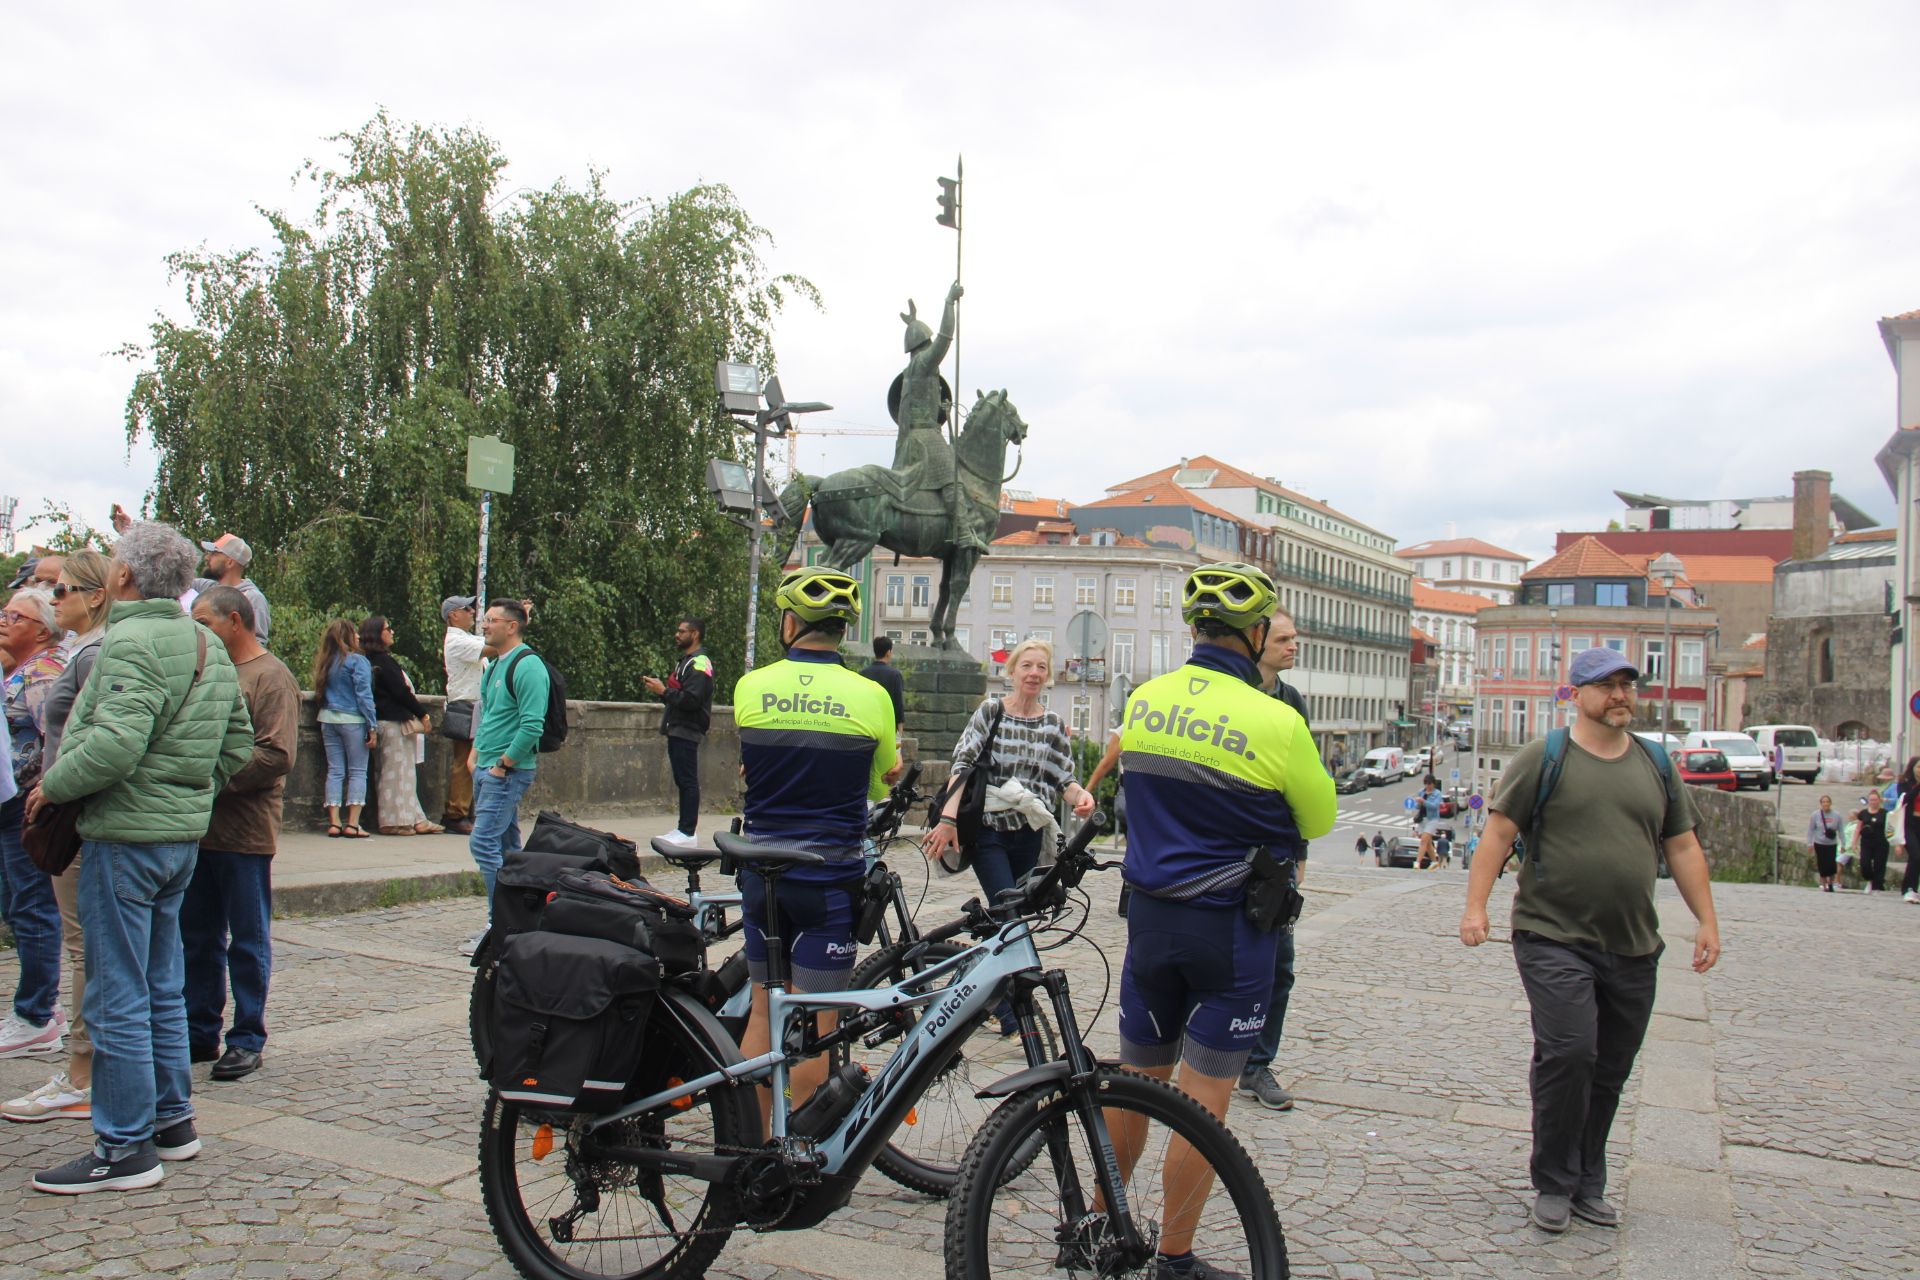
{"x":925,"y":1152}
{"x":537,"y":1165}
{"x":1006,"y":1220}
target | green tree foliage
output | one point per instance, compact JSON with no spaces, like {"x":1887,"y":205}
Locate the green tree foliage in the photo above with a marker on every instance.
{"x":319,"y":401}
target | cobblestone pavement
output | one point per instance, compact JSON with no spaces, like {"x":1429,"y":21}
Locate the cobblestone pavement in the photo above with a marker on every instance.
{"x":1769,"y":1129}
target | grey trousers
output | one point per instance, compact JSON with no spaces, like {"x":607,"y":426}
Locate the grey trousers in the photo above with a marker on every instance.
{"x":1590,"y":1013}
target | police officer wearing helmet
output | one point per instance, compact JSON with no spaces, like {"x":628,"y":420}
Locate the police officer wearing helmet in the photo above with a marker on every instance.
{"x":816,"y":743}
{"x":1224,"y":788}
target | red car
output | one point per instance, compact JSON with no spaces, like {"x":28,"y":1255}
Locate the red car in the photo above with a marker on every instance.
{"x":1705,"y":767}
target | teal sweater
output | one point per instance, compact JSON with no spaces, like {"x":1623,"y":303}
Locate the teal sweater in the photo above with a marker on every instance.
{"x":510,"y":723}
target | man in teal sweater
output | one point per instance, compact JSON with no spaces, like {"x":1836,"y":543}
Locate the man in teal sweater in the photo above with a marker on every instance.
{"x":506,"y":741}
{"x":155,"y":733}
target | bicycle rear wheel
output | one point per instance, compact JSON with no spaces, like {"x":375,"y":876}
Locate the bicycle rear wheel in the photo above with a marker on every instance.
{"x":1012,"y":1214}
{"x":924,"y":1153}
{"x":563,"y":1209}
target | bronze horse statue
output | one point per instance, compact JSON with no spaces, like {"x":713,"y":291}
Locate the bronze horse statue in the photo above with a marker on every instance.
{"x":864,"y":507}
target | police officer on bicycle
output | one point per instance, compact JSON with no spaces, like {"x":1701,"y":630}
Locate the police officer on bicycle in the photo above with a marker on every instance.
{"x":1224,"y":789}
{"x":816,"y":743}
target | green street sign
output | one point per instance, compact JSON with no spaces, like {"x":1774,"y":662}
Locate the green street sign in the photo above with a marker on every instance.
{"x":489,"y":464}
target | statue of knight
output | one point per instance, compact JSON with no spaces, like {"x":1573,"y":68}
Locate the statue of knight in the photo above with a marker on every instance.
{"x":923,"y":456}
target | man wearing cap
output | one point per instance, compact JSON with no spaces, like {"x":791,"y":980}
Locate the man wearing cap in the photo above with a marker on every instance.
{"x":460,"y":650}
{"x":1586,"y":936}
{"x":227,"y":559}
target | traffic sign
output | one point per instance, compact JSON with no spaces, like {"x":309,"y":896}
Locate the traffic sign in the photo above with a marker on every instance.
{"x":1410,"y":803}
{"x":1914,"y":702}
{"x":489,"y":464}
{"x":1565,"y":693}
{"x":1087,"y":635}
{"x":1473,"y":802}
{"x":1455,"y":777}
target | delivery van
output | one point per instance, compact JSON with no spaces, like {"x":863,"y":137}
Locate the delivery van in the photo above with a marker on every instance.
{"x":1390,"y":761}
{"x":1798,"y":744}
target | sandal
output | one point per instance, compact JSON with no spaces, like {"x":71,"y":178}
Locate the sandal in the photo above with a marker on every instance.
{"x":427,"y":828}
{"x":396,"y":831}
{"x":352,"y":831}
{"x":333,"y":831}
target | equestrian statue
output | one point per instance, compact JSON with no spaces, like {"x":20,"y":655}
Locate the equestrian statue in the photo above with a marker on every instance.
{"x":937,"y":497}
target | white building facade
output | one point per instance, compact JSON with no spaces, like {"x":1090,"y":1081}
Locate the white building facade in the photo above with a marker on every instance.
{"x":1468,"y":565}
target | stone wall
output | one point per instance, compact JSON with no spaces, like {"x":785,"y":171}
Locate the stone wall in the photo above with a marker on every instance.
{"x":1857,"y":694}
{"x":1736,"y":830}
{"x":614,"y":761}
{"x":943,"y":690}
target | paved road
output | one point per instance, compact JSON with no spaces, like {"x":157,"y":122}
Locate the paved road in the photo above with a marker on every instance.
{"x":1770,"y":1129}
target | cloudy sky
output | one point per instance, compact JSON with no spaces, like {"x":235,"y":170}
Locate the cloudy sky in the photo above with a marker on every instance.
{"x":1441,"y":265}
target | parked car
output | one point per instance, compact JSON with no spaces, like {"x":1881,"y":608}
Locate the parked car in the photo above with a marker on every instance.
{"x":1705,"y":767}
{"x":1401,"y":851}
{"x":1351,"y":780}
{"x":1797,"y":743}
{"x":1368,"y":776}
{"x":1749,"y":763}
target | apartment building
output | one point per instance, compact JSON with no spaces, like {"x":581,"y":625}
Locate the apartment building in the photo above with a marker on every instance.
{"x":1469,"y":566}
{"x":1447,"y":618}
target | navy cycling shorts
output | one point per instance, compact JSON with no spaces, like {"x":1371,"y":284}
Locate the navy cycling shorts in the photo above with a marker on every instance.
{"x":818,"y":919}
{"x":1197,"y":985}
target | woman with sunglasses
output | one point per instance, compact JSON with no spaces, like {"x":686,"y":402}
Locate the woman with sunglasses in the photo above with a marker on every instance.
{"x":80,"y":604}
{"x":30,"y":655}
{"x":401,"y":718}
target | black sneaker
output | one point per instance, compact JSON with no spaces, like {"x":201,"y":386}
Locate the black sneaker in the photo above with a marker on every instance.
{"x":1260,"y":1085}
{"x":178,"y":1141}
{"x":1198,"y":1269}
{"x":92,"y":1173}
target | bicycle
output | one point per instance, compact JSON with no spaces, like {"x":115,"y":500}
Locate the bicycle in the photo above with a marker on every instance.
{"x":655,"y":1187}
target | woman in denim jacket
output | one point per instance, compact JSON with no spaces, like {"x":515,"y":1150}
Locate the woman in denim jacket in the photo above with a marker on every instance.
{"x":344,"y":680}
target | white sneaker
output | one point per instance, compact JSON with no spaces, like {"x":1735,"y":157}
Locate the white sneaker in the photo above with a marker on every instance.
{"x":472,"y":944}
{"x":1911,"y":896}
{"x":19,"y":1038}
{"x":57,"y":1099}
{"x":680,"y":838}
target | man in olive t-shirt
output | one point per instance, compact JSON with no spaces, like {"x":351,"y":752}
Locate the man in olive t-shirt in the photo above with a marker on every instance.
{"x":1586,"y":934}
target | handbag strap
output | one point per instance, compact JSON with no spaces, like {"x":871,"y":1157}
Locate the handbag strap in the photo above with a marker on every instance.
{"x":199,"y":665}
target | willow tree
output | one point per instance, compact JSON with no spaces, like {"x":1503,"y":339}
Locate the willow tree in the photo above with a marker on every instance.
{"x":319,"y":398}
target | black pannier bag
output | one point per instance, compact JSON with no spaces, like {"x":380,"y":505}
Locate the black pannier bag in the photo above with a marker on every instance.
{"x":554,"y":834}
{"x":631,"y":912}
{"x":569,"y":1019}
{"x":521,"y":887}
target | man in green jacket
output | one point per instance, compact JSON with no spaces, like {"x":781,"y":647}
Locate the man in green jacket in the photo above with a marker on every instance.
{"x":155,"y":733}
{"x":506,"y":742}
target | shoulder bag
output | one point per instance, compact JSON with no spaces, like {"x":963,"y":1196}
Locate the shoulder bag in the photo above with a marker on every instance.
{"x":972,"y":814}
{"x":52,"y":836}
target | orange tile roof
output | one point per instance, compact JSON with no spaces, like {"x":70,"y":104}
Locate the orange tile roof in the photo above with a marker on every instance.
{"x":1709,"y":569}
{"x":1054,"y":507}
{"x":1236,"y":478}
{"x":1428,"y":596}
{"x":1868,"y":535}
{"x":1033,"y":538}
{"x":1420,"y":635}
{"x":1165,"y":494}
{"x":1586,"y":558}
{"x":1459,"y":547}
{"x":1758,"y":642}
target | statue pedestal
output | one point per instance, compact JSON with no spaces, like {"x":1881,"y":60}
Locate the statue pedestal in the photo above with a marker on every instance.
{"x":944,"y":686}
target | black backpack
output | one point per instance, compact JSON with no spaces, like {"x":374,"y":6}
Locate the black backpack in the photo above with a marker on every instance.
{"x":553,"y":733}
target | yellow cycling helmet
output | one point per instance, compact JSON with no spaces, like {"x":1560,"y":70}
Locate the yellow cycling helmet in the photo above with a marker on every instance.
{"x":1235,"y":594}
{"x":818,"y":593}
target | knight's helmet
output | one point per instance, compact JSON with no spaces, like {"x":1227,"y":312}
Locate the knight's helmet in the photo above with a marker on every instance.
{"x":918,"y":335}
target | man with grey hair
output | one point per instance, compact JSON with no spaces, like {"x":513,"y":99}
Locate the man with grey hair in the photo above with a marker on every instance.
{"x":153,"y":737}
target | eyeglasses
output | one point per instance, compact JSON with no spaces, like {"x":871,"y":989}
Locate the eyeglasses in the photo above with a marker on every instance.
{"x":14,"y":615}
{"x":61,"y":590}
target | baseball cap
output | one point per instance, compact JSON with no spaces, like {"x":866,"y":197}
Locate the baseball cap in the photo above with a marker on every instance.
{"x":451,"y":603}
{"x":1595,"y":665}
{"x":233,"y":547}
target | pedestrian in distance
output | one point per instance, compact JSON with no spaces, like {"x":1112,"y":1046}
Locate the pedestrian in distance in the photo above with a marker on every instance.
{"x":1876,"y":834}
{"x":1257,"y":1080}
{"x":32,"y":659}
{"x":883,"y":673}
{"x":687,"y":696}
{"x":402,"y":721}
{"x":1823,"y":837}
{"x":156,"y":732}
{"x":1379,"y":846}
{"x":460,"y":652}
{"x":1909,"y":829}
{"x":343,"y":679}
{"x":506,"y":742}
{"x":227,"y":915}
{"x":80,"y":604}
{"x":1597,"y":806}
{"x":1360,"y":846}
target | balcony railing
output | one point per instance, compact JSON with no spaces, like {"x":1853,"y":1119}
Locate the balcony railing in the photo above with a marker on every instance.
{"x":1340,"y":582}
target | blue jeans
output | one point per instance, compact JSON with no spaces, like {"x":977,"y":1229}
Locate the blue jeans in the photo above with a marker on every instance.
{"x":28,"y":906}
{"x":130,"y":897}
{"x":346,"y":746}
{"x":225,"y":929}
{"x":1001,"y":858}
{"x":496,"y":820}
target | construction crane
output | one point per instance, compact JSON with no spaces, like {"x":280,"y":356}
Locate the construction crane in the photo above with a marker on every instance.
{"x":795,"y":432}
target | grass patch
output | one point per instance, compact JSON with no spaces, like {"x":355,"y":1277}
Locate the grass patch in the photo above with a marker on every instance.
{"x":400,"y":893}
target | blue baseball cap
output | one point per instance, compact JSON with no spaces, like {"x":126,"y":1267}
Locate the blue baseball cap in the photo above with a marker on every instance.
{"x":1595,"y":665}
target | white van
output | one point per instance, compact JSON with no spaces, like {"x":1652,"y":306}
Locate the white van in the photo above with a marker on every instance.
{"x":1749,"y":763}
{"x":1799,"y":746}
{"x":1390,"y":761}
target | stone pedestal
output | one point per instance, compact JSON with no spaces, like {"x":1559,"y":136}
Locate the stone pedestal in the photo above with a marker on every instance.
{"x":943,"y":689}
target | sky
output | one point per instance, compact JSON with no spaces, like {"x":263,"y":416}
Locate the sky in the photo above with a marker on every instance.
{"x":1451,"y":268}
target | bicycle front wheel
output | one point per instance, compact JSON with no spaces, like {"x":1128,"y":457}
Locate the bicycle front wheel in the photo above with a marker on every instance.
{"x":924,"y":1153}
{"x":564,"y":1209}
{"x":1189,"y":1185}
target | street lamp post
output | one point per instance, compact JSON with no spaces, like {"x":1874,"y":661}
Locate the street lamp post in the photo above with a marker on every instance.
{"x":1667,"y":567}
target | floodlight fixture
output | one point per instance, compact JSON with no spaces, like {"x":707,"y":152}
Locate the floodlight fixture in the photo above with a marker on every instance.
{"x":738,"y":385}
{"x":731,"y":486}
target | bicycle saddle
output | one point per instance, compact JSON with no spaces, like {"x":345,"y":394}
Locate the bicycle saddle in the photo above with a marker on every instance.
{"x":682,"y":857}
{"x":767,"y":855}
